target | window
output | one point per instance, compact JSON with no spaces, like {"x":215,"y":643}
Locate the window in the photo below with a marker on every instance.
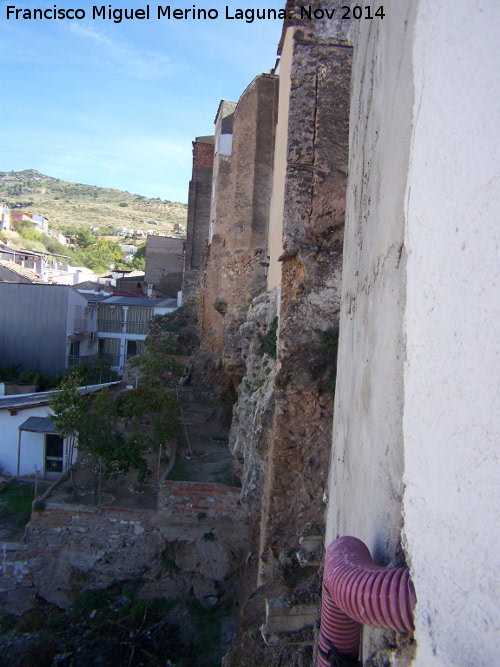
{"x":74,"y":348}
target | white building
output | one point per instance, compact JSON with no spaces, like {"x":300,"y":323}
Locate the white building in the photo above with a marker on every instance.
{"x":123,"y":324}
{"x":29,"y":441}
{"x":4,"y":217}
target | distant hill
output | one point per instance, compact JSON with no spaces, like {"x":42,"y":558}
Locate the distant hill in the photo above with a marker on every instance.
{"x":77,"y":204}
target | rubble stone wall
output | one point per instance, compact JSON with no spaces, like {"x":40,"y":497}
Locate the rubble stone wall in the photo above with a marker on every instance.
{"x":311,"y":269}
{"x":191,"y":498}
{"x":195,"y":541}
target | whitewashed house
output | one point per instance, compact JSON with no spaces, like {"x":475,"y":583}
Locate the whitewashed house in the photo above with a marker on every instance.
{"x":29,"y":441}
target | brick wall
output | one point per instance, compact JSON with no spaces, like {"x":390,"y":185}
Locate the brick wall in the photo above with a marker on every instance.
{"x":198,"y":220}
{"x":203,"y":154}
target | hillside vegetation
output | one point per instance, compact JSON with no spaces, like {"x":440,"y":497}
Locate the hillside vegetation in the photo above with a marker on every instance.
{"x":75,"y":204}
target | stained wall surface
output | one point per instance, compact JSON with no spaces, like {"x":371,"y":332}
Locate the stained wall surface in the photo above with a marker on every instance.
{"x":367,"y":461}
{"x":415,"y":462}
{"x":451,"y":421}
{"x":164,"y":263}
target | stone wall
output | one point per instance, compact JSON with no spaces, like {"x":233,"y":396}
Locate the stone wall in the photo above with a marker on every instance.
{"x":235,"y":271}
{"x":311,"y":268}
{"x":164,"y":263}
{"x":195,"y":542}
{"x":187,"y":499}
{"x":198,"y":218}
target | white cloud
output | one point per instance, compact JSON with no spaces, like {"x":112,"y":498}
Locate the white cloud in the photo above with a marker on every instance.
{"x":125,"y":58}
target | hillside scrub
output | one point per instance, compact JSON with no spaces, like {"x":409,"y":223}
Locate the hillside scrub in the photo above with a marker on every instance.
{"x":68,"y":204}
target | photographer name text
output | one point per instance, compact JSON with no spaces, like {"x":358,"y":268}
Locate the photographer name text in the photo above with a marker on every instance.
{"x":168,"y":12}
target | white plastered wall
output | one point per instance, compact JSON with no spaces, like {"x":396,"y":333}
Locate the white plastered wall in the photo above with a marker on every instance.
{"x":32,"y":444}
{"x":452,"y":326}
{"x":418,"y":383}
{"x":366,"y":470}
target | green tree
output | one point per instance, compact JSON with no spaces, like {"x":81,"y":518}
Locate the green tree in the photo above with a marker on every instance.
{"x":92,"y":421}
{"x":84,"y":237}
{"x":102,"y":436}
{"x":69,"y":406}
{"x":139,"y":260}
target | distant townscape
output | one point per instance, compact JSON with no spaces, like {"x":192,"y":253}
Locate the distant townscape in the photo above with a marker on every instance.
{"x":106,"y":313}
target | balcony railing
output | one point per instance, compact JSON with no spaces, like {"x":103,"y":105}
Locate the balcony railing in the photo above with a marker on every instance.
{"x":111,"y":326}
{"x":137,"y":328}
{"x":114,"y":359}
{"x":81,"y":325}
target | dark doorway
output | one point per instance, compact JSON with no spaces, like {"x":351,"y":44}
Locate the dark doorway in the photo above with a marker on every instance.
{"x":54,"y":453}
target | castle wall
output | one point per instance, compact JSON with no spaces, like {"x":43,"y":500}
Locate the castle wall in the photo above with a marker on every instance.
{"x":235,"y":273}
{"x":314,"y":102}
{"x":198,"y":218}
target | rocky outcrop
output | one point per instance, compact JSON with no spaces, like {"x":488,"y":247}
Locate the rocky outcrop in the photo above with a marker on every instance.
{"x":254,"y":409}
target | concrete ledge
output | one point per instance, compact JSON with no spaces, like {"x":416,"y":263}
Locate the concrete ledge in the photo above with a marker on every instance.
{"x":12,"y":546}
{"x":283,"y":618}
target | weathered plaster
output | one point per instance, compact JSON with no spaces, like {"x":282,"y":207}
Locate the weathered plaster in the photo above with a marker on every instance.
{"x":366,"y":489}
{"x":452,"y":328}
{"x":417,"y":385}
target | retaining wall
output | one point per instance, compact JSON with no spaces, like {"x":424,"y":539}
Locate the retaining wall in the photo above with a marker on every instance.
{"x":69,"y":549}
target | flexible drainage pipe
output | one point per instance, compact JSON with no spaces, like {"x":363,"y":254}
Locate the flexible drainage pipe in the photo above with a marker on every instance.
{"x":357,"y":592}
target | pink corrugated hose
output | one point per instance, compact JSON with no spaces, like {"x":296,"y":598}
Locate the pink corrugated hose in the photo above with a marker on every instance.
{"x":357,"y":592}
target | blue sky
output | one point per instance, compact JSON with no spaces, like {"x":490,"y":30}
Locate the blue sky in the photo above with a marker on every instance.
{"x":118,"y":104}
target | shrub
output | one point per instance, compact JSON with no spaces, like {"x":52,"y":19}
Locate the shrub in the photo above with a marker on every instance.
{"x":90,"y":600}
{"x":208,"y":537}
{"x":269,"y":340}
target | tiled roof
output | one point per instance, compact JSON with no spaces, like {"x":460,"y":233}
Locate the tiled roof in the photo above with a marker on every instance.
{"x":20,"y":270}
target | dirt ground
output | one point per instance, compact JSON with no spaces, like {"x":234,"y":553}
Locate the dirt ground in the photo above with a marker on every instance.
{"x":203,"y":456}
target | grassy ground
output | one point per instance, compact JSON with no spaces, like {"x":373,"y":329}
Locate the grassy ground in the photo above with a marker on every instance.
{"x":15,"y":509}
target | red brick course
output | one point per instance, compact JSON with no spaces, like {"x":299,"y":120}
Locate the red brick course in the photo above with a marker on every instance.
{"x":203,"y":155}
{"x":178,"y":498}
